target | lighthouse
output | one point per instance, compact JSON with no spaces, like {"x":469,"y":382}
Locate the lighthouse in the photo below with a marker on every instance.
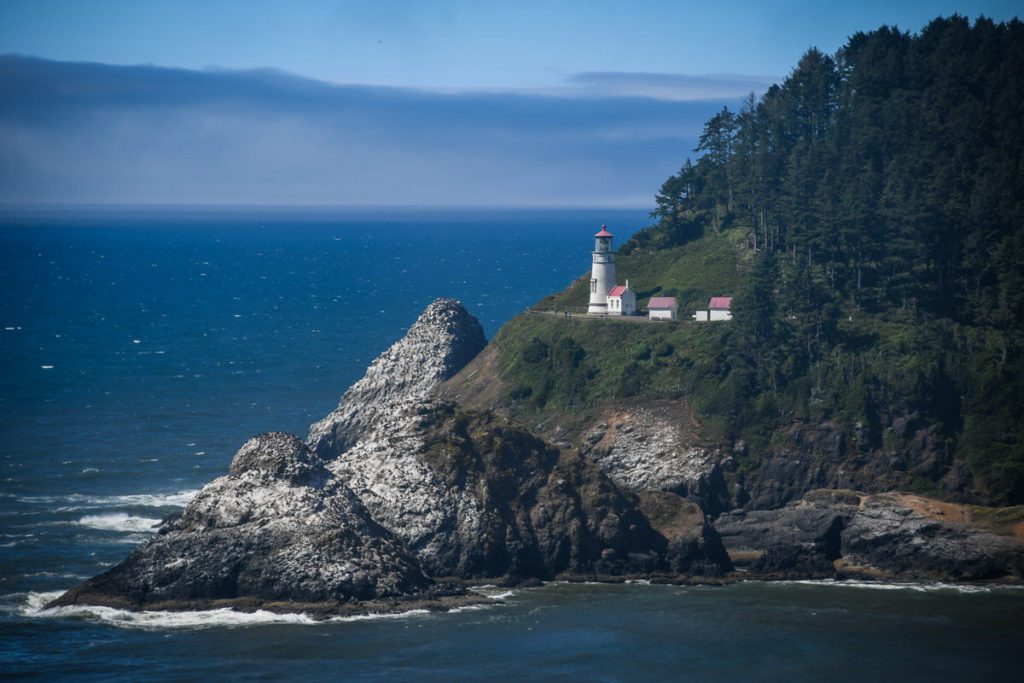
{"x":602,"y":272}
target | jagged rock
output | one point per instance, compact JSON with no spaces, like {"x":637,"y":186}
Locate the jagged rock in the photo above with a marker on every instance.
{"x":893,"y":537}
{"x":476,"y":495}
{"x":442,"y":340}
{"x":806,"y":457}
{"x":692,"y":545}
{"x":473,"y":494}
{"x":648,"y":449}
{"x":277,"y":455}
{"x":279,"y":527}
{"x":830,"y":533}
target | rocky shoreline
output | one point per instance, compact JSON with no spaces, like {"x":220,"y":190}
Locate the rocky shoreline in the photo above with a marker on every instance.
{"x":401,"y":500}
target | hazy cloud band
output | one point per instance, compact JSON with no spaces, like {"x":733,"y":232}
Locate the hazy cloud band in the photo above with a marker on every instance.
{"x":74,"y":132}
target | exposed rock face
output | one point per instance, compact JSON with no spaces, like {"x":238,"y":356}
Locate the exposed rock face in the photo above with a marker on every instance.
{"x":899,"y":540}
{"x":806,"y":457}
{"x":280,"y":526}
{"x":650,"y":448}
{"x":439,"y":344}
{"x":512,"y":504}
{"x":472,"y":494}
{"x":693,"y":546}
{"x":841,"y":533}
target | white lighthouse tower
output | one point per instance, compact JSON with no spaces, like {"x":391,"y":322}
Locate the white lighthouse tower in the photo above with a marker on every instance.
{"x":602,"y":273}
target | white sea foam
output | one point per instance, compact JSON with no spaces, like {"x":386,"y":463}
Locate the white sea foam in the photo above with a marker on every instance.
{"x":77,"y":501}
{"x":119,"y":521}
{"x":500,"y":596}
{"x":470,"y":608}
{"x":935,"y":587}
{"x":33,"y":605}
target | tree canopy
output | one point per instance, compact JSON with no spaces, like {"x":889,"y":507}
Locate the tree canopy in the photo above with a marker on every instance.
{"x":885,"y":183}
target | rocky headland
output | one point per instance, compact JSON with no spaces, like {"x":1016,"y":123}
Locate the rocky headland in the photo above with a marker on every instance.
{"x":404,"y":495}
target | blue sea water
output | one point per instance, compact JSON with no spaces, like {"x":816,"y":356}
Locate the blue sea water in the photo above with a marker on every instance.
{"x":139,"y":348}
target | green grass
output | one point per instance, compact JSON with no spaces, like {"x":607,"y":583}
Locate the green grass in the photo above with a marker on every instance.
{"x":694,"y":272}
{"x":1006,"y":520}
{"x":877,"y":368}
{"x":571,"y":367}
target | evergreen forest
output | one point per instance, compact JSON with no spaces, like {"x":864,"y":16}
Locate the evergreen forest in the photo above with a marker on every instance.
{"x":867,"y":215}
{"x":884,"y":183}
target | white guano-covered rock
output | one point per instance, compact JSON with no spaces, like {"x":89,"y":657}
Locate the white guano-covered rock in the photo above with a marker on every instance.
{"x":443,"y":339}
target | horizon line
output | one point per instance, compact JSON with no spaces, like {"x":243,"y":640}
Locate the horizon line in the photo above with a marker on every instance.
{"x":14,"y":206}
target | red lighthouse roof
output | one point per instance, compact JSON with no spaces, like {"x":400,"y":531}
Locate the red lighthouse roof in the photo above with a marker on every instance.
{"x":604,"y":232}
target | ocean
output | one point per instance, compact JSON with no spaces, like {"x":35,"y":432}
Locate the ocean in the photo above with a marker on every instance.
{"x":139,"y":348}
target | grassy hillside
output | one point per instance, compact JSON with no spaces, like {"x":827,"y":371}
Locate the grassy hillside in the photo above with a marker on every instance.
{"x":866,"y":216}
{"x":885,"y":377}
{"x":693,"y":273}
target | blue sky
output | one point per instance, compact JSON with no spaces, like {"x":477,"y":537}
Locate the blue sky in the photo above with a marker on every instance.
{"x":526,"y":103}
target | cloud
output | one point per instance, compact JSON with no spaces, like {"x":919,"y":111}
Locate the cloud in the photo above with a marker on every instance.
{"x":683,"y":87}
{"x":78,"y":132}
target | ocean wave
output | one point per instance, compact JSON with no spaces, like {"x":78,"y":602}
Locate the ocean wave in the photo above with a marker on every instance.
{"x":119,"y":521}
{"x":470,"y":608}
{"x":55,"y":574}
{"x":501,"y":596}
{"x":493,"y":592}
{"x":78,"y":501}
{"x":34,"y":605}
{"x":918,"y":587}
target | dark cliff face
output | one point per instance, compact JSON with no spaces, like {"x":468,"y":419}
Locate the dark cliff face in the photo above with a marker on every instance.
{"x":544,"y":511}
{"x":838,"y":534}
{"x":804,"y":457}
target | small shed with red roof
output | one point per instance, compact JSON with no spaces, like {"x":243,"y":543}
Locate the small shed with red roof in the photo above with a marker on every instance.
{"x":718,"y":308}
{"x":662,"y":308}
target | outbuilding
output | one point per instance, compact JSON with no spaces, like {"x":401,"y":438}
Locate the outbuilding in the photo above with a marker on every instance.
{"x":718,"y":308}
{"x":662,"y":308}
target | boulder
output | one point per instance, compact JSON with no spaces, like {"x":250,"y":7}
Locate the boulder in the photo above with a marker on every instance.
{"x":835,"y":533}
{"x":278,"y":527}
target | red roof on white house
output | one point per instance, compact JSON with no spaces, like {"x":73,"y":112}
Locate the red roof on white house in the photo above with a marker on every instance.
{"x":617,"y":290}
{"x":604,"y":232}
{"x":662,"y":302}
{"x":720,"y":303}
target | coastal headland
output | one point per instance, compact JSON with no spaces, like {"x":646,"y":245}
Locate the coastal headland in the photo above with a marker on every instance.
{"x":401,"y":498}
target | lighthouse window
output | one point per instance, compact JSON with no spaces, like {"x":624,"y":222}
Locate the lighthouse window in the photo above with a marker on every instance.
{"x":593,"y":285}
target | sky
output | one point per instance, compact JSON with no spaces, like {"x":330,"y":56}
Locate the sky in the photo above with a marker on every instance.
{"x":449,"y":102}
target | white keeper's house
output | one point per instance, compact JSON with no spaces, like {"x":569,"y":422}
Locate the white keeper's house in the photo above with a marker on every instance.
{"x":622,"y":300}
